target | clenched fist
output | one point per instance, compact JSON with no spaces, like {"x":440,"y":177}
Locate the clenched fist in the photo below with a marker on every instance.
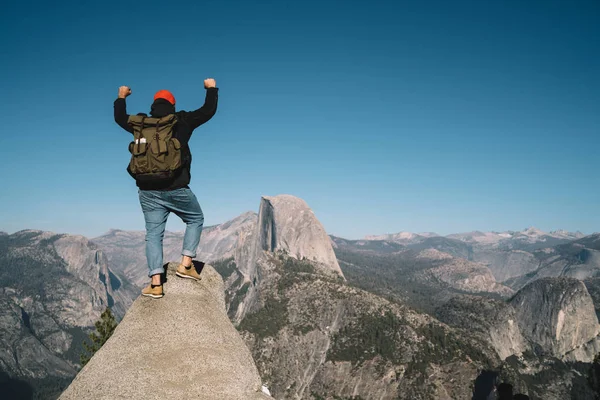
{"x":209,"y":83}
{"x":124,"y":91}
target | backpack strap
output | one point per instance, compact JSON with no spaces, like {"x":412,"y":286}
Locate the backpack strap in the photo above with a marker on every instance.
{"x":139,"y":138}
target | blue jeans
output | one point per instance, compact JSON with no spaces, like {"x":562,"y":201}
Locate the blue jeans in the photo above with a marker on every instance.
{"x":157,"y":205}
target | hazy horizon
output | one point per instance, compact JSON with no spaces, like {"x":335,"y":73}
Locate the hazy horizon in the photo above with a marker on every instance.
{"x":175,"y":226}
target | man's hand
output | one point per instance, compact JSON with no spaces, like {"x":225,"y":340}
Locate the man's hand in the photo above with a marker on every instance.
{"x":209,"y":83}
{"x":124,"y":91}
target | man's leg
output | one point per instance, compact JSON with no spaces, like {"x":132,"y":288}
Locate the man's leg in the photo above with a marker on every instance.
{"x":155,"y":214}
{"x":185,"y":205}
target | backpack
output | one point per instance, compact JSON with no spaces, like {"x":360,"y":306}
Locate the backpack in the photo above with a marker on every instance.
{"x":155,"y":152}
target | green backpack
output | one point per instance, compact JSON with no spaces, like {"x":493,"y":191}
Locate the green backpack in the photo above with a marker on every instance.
{"x":155,"y":153}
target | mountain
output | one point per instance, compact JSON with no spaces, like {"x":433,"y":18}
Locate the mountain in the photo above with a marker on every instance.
{"x":286,"y":223}
{"x":165,"y":349}
{"x":553,"y":317}
{"x":528,"y":239}
{"x":491,"y":320}
{"x":423,"y":278}
{"x":557,"y":314}
{"x":313,"y":335}
{"x":379,"y":246}
{"x":518,"y":255}
{"x":326,"y":317}
{"x":578,"y":258}
{"x":507,"y":264}
{"x":514,"y":257}
{"x":547,"y":335}
{"x":316,"y":335}
{"x":53,"y":288}
{"x":482,"y":238}
{"x":563,"y":234}
{"x":400,"y":237}
{"x":451,"y":246}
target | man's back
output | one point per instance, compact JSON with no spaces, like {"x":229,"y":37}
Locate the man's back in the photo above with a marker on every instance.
{"x":187,"y":122}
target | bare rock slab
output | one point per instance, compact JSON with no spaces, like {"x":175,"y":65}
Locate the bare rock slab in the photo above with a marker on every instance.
{"x":181,"y":346}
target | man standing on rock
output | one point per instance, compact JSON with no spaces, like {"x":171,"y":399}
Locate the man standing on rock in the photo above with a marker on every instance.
{"x":161,"y":162}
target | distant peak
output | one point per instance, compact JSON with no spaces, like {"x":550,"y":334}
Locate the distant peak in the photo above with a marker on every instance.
{"x":286,"y":200}
{"x":403,"y":235}
{"x":287,"y":223}
{"x":532,"y":230}
{"x":428,"y":234}
{"x":562,"y":233}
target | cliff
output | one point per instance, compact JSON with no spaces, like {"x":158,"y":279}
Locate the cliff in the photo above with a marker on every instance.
{"x":556,"y":313}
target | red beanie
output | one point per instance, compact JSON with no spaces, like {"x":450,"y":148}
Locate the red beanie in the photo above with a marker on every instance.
{"x":165,"y":94}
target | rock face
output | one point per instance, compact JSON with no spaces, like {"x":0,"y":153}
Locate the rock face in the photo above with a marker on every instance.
{"x":56,"y":286}
{"x":507,"y":264}
{"x":182,"y":346}
{"x":84,"y":260}
{"x":222,"y":241}
{"x":556,"y":313}
{"x":314,"y":336}
{"x":494,"y":320}
{"x":462,"y":274}
{"x":286,"y":223}
{"x":578,"y":259}
{"x":424,"y":279}
{"x":21,"y":352}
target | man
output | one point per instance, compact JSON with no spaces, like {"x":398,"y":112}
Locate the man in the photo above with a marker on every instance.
{"x":159,"y":199}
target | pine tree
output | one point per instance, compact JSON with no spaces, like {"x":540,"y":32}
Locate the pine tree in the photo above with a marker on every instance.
{"x":594,"y":377}
{"x":105,"y":327}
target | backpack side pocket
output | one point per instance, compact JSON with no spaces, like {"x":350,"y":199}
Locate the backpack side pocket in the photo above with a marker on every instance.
{"x":174,"y":154}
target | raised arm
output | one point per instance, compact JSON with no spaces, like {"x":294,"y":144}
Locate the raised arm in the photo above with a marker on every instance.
{"x":121,"y":116}
{"x":203,"y":114}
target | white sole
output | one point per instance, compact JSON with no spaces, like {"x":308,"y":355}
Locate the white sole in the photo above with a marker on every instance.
{"x":154,"y":296}
{"x":186,"y":276}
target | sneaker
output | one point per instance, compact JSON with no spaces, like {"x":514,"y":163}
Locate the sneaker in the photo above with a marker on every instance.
{"x":187,"y":272}
{"x":154,"y":291}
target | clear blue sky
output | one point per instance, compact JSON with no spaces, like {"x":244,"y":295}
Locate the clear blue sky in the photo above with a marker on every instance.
{"x":384,"y":116}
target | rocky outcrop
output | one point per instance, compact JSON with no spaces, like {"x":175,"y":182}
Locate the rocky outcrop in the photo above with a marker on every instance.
{"x":23,"y":354}
{"x":507,"y":264}
{"x":182,"y":346}
{"x":557,"y":314}
{"x":223,"y":241}
{"x":492,"y":320}
{"x":84,"y":260}
{"x":462,"y":274}
{"x":314,"y":336}
{"x":286,"y":223}
{"x":54,"y":288}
